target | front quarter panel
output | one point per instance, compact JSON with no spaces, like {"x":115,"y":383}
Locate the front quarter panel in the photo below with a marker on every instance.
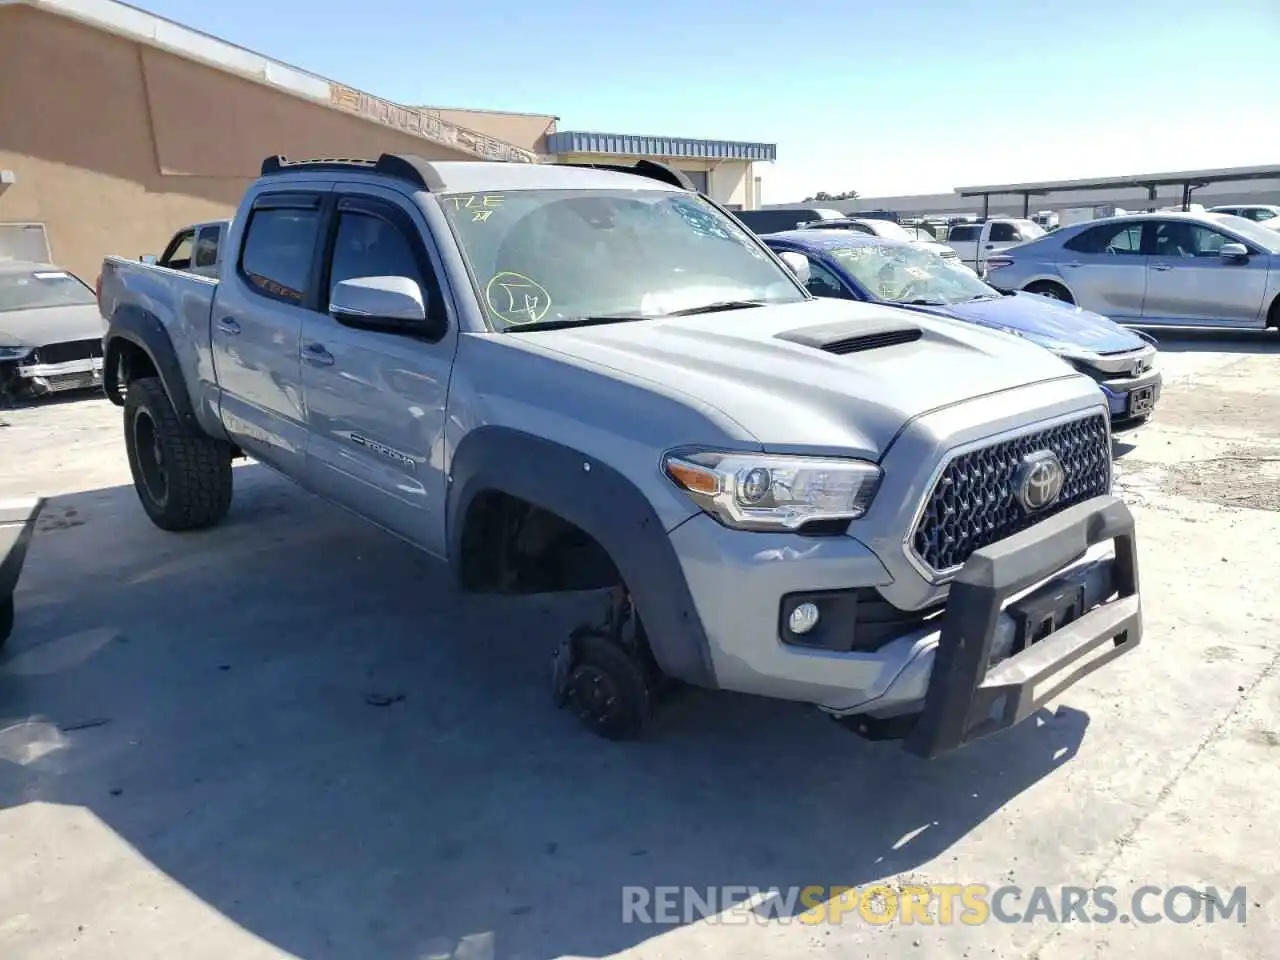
{"x":508,"y":380}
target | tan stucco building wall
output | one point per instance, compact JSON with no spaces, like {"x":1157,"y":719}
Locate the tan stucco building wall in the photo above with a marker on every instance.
{"x":114,"y":145}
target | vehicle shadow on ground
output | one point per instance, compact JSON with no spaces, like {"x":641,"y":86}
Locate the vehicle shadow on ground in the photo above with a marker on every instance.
{"x":296,"y":718}
{"x":1216,"y":341}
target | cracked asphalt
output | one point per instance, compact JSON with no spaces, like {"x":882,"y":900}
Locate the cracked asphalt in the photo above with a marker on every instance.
{"x":289,"y":737}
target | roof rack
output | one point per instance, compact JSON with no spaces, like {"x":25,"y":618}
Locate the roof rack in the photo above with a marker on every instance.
{"x":408,"y":167}
{"x":644,"y":168}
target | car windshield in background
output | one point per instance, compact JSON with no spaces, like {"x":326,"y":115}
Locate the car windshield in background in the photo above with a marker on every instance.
{"x":563,"y":256}
{"x":1265,"y":237}
{"x":892,"y":231}
{"x":42,"y":288}
{"x":909,"y":274}
{"x":1029,"y":230}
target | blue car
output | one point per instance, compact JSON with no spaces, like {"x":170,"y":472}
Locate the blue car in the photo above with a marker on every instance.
{"x":855,"y":266}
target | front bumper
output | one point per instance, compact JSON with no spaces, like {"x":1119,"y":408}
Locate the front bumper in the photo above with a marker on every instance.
{"x":954,"y":677}
{"x":1132,"y":397}
{"x":83,"y":374}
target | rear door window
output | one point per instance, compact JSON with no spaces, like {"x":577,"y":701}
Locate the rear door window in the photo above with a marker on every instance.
{"x":1111,"y":238}
{"x":1003,"y":233}
{"x":278,"y":248}
{"x":962,"y":233}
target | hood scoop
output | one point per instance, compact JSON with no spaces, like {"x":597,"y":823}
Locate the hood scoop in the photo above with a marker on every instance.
{"x":842,"y":338}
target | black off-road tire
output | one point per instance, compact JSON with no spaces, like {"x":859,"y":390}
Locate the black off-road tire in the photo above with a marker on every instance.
{"x":1047,"y":288}
{"x":608,"y":690}
{"x":183,"y":480}
{"x":6,"y":618}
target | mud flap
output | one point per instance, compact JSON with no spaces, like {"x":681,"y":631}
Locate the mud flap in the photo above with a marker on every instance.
{"x":966,"y":698}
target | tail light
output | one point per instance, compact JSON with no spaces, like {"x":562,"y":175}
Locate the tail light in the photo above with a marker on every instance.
{"x":995,"y":263}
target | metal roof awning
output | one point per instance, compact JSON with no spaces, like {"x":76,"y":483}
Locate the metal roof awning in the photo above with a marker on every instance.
{"x":642,"y":145}
{"x":1176,"y":179}
{"x":1188,"y":180}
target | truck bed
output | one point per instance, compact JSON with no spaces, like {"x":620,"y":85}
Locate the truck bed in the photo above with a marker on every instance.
{"x":180,"y":302}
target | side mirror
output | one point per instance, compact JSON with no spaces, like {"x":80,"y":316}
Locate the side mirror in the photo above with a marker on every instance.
{"x":1233,"y":251}
{"x":379,"y":303}
{"x":797,"y":263}
{"x":148,"y":258}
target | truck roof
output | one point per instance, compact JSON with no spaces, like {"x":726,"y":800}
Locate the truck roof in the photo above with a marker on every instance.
{"x":464,"y":176}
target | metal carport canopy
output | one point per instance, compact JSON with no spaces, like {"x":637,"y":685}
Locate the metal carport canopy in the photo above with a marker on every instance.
{"x":1187,"y":179}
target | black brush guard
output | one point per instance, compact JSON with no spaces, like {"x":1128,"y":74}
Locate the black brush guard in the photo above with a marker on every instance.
{"x":966,"y":698}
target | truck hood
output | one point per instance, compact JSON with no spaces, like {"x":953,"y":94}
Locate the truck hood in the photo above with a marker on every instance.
{"x":822,"y":375}
{"x":37,"y":328}
{"x":1049,"y":323}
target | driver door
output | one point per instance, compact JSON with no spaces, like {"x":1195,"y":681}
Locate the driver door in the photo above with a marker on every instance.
{"x":1190,"y":283}
{"x":375,"y":400}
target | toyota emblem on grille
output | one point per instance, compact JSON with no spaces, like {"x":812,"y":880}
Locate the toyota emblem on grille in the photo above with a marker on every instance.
{"x":1039,"y":480}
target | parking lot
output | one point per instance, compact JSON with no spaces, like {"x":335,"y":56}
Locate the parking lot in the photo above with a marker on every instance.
{"x":290,"y":736}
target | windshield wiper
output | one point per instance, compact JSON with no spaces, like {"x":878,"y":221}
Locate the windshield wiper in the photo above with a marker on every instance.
{"x":716,"y":307}
{"x":573,"y":322}
{"x":926,"y":303}
{"x":982,"y":296}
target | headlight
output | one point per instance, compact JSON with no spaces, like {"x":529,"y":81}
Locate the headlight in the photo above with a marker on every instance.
{"x":15,"y":353}
{"x":757,"y":491}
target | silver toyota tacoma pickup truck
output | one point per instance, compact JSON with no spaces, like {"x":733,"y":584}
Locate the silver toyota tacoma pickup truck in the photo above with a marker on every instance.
{"x":564,"y":378}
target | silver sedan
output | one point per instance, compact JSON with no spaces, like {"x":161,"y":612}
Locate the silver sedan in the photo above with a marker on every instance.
{"x":1156,"y":269}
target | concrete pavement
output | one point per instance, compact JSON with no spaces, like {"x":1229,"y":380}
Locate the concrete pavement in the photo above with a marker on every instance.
{"x":288,"y":736}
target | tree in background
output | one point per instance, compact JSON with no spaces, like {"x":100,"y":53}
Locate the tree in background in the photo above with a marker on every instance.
{"x":823,"y":195}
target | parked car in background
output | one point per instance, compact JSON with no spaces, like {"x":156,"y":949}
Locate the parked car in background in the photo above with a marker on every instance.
{"x":1264,"y":213}
{"x":194,"y":249}
{"x":784,"y":218}
{"x":855,"y":267}
{"x":50,"y":332}
{"x":1155,"y":269}
{"x":888,"y":230}
{"x":975,"y":242}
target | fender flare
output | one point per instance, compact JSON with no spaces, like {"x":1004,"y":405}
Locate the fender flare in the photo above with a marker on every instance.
{"x":145,"y":331}
{"x":607,"y":506}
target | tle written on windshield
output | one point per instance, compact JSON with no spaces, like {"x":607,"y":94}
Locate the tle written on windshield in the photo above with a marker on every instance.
{"x":907,"y":275}
{"x":552,"y":257}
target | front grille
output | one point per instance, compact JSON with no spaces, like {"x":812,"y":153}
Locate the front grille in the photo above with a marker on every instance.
{"x":973,"y":504}
{"x":872,"y":341}
{"x":70,"y":350}
{"x":72,"y":381}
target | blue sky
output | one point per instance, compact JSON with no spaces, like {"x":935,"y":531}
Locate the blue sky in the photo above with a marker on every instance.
{"x":886,"y":98}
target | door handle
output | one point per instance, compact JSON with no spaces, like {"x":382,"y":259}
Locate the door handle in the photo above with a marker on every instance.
{"x":228,"y":326}
{"x":1161,"y":267}
{"x":316,"y":355}
{"x":1073,"y":263}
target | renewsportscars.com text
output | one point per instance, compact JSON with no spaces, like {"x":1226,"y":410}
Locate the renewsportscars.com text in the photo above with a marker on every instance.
{"x":933,"y":904}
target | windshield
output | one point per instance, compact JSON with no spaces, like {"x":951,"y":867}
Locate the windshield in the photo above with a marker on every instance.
{"x":1265,"y":237}
{"x":556,"y":256}
{"x":909,"y":274}
{"x":42,"y":288}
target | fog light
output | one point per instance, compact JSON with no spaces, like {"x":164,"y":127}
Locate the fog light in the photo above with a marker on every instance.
{"x":803,"y":618}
